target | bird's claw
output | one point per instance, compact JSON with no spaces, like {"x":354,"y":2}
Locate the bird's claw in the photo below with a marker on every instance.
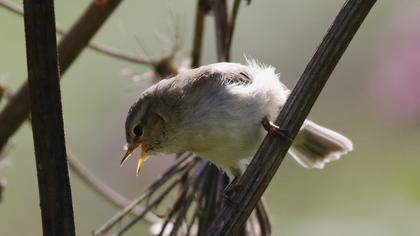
{"x":275,"y":130}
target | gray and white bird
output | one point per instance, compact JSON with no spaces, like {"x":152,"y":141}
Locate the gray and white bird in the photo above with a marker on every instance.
{"x":216,"y":111}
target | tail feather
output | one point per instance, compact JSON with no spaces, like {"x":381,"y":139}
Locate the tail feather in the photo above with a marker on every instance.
{"x":316,"y":145}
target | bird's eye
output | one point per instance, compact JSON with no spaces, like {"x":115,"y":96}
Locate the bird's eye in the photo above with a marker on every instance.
{"x":138,"y":131}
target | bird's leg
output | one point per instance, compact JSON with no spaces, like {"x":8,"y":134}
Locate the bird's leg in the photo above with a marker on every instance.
{"x":274,"y":130}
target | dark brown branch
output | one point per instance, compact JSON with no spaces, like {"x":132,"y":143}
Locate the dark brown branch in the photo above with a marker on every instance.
{"x":47,"y":119}
{"x":70,"y":46}
{"x":221,"y":20}
{"x":198,"y":34}
{"x":252,"y":184}
{"x":104,"y":190}
{"x":2,"y":90}
{"x":232,"y":23}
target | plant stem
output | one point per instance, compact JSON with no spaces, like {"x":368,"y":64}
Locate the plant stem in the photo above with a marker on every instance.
{"x":47,"y":119}
{"x":252,"y":184}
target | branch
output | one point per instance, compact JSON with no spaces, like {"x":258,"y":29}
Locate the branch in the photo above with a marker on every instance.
{"x":252,"y":184}
{"x":149,"y":207}
{"x":232,"y":23}
{"x":98,"y":47}
{"x":179,"y":203}
{"x":104,"y":190}
{"x":183,"y":165}
{"x":3,"y":90}
{"x":118,"y":54}
{"x":221,"y":20}
{"x":69,"y":48}
{"x":202,"y":9}
{"x":47,"y":119}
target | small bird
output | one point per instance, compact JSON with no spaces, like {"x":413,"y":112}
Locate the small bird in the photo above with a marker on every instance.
{"x":216,"y":111}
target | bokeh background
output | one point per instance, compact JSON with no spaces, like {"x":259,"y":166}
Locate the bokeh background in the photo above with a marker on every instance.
{"x":373,"y":97}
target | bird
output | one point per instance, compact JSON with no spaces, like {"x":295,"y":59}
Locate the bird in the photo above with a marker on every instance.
{"x":216,"y":111}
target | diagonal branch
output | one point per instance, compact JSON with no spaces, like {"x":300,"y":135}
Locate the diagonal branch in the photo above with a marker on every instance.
{"x":47,"y":118}
{"x":252,"y":184}
{"x":69,"y":48}
{"x":98,"y":47}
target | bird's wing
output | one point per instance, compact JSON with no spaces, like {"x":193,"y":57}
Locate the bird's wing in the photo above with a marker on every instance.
{"x":188,"y":87}
{"x":220,"y":73}
{"x":238,"y":78}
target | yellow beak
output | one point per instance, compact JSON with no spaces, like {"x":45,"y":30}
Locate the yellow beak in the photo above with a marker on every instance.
{"x":130,"y":151}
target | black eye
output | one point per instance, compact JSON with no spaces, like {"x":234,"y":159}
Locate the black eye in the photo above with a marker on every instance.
{"x":138,"y":130}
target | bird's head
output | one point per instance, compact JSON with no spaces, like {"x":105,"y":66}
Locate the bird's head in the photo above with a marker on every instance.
{"x":145,"y":128}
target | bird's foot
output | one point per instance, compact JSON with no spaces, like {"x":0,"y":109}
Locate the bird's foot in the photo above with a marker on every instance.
{"x":275,"y":130}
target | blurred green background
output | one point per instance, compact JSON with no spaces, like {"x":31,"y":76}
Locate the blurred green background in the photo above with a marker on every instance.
{"x":375,"y":190}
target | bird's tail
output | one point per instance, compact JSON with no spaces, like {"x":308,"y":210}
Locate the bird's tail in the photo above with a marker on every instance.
{"x":315,"y":145}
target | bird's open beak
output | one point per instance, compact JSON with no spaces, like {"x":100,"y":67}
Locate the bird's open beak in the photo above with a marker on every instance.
{"x":130,"y":151}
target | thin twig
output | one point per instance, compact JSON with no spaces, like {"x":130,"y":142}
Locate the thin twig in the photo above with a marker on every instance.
{"x":194,"y":218}
{"x":212,"y":193}
{"x":162,"y":195}
{"x":252,"y":184}
{"x":104,"y":190}
{"x":183,"y":201}
{"x":12,"y":6}
{"x":186,"y":203}
{"x":70,"y":46}
{"x":98,"y":47}
{"x":150,"y":206}
{"x":263,"y":218}
{"x":182,"y":165}
{"x":47,"y":119}
{"x":119,"y":54}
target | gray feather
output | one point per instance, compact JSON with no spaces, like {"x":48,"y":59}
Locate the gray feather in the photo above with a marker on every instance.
{"x":316,"y":145}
